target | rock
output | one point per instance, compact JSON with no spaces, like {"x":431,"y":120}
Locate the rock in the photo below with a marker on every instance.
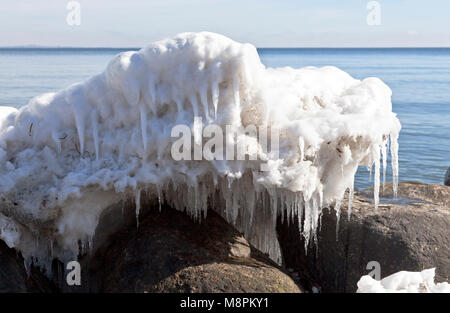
{"x":13,"y":276}
{"x":411,"y":233}
{"x":172,"y":253}
{"x":240,"y":248}
{"x":169,"y":252}
{"x":447,"y":178}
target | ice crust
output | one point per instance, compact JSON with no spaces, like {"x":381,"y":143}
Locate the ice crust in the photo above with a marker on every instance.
{"x":404,"y":282}
{"x":66,"y":156}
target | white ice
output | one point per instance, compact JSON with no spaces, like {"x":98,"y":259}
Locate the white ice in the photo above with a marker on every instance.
{"x":66,"y":156}
{"x":411,"y":282}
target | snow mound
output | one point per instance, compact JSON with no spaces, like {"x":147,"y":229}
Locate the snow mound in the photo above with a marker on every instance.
{"x":66,"y":156}
{"x":411,"y":282}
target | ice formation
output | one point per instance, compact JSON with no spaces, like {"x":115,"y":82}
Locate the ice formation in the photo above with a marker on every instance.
{"x":66,"y":156}
{"x":412,"y":282}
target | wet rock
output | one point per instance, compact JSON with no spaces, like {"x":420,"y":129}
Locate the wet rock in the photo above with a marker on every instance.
{"x":447,"y":178}
{"x":411,"y":233}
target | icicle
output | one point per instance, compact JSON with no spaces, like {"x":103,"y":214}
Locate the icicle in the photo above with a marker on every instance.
{"x":294,"y":208}
{"x":215,"y":97}
{"x":318,"y":221}
{"x":195,"y":208}
{"x":94,"y":122}
{"x":179,"y":103}
{"x":291,"y":207}
{"x":394,"y":162}
{"x":143,"y":114}
{"x":301,"y":145}
{"x":251,"y":205}
{"x":287,"y":207}
{"x":152,"y":91}
{"x":376,"y":187}
{"x":138,"y":205}
{"x":320,"y":207}
{"x":197,"y":129}
{"x":384,"y":156}
{"x":337,"y":208}
{"x":79,"y":123}
{"x":194,"y":103}
{"x":235,"y":205}
{"x":204,"y":201}
{"x":204,"y":100}
{"x":300,"y":209}
{"x":307,"y":224}
{"x":315,"y":219}
{"x":159,"y":197}
{"x":274,"y":210}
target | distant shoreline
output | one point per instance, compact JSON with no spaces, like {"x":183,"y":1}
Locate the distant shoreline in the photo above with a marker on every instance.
{"x":259,"y":48}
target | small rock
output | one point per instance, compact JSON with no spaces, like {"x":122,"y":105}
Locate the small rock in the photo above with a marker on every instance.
{"x":240,"y":248}
{"x":447,"y":178}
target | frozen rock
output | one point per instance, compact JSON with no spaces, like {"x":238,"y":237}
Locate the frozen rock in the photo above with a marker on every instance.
{"x":69,"y":155}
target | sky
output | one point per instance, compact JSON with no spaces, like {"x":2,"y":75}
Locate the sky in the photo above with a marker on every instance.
{"x":264,"y":23}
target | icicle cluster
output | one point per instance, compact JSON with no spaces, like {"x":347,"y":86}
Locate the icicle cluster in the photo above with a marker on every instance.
{"x":66,"y":156}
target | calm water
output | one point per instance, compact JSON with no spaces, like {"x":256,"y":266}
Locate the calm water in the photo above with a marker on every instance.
{"x":419,"y":79}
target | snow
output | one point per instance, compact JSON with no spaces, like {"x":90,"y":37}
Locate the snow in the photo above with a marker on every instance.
{"x":67,"y":156}
{"x":411,"y":282}
{"x":7,"y":115}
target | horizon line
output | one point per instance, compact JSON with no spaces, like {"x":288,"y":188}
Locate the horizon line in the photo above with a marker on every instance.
{"x":312,"y":47}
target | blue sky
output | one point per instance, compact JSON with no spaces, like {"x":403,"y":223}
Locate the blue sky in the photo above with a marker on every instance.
{"x":264,"y":23}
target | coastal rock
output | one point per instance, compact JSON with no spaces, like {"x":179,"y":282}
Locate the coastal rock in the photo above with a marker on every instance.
{"x":170,"y":252}
{"x":447,"y":178}
{"x":410,"y":233}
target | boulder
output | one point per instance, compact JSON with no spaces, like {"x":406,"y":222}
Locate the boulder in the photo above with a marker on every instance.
{"x":170,"y":252}
{"x":409,"y":233}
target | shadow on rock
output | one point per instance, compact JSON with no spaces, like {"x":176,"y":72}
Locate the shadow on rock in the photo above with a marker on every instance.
{"x":170,"y":252}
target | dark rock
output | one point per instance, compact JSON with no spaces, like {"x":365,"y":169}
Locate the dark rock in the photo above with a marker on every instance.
{"x":172,"y":253}
{"x":447,"y":178}
{"x":13,"y":276}
{"x":411,"y":233}
{"x":169,"y":252}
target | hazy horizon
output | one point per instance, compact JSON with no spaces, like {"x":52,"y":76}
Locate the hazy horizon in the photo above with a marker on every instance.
{"x":32,"y":46}
{"x":263,"y":23}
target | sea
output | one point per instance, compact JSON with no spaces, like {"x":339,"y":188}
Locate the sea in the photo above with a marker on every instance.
{"x":419,"y":79}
